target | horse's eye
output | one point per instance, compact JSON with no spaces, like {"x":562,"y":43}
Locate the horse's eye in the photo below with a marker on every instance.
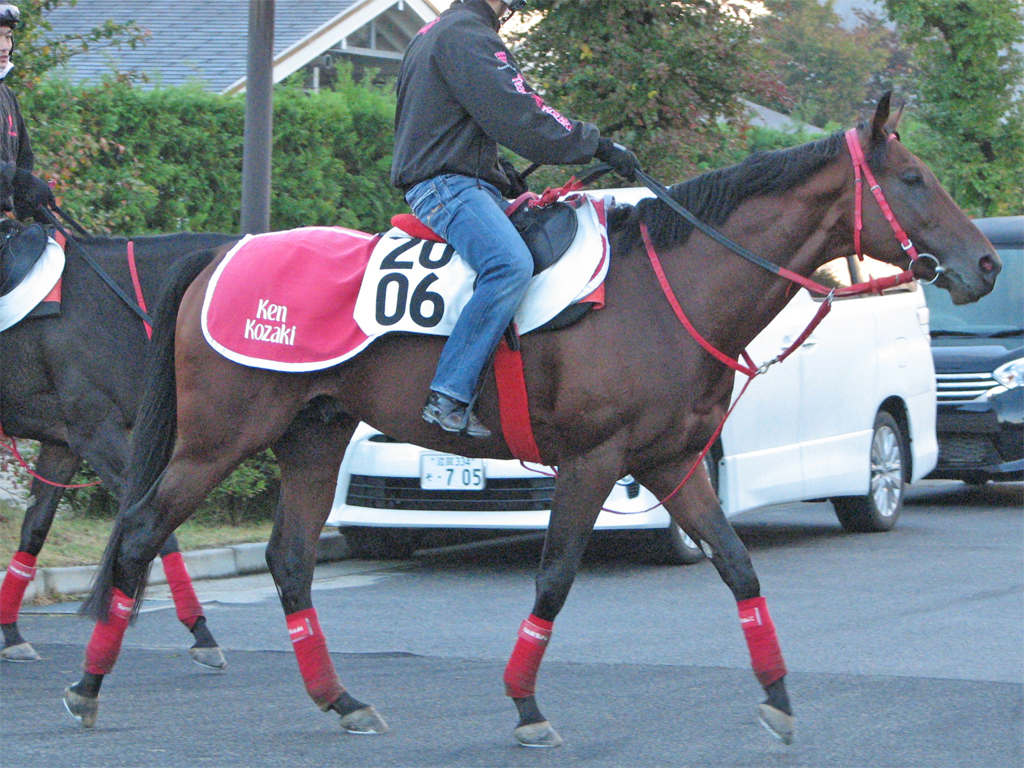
{"x":913,"y":176}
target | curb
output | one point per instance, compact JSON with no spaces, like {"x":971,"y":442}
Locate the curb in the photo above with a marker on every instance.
{"x":224,"y":562}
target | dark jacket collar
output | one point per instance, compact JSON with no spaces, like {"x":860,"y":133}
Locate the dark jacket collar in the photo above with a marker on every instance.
{"x":483,"y":9}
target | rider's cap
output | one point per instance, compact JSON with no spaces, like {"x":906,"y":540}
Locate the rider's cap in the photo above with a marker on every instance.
{"x":9,"y":15}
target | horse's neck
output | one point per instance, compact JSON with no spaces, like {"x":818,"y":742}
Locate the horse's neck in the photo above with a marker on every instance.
{"x":737,"y":299}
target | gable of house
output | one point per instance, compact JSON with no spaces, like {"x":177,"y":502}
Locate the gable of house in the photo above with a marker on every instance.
{"x":206,"y":41}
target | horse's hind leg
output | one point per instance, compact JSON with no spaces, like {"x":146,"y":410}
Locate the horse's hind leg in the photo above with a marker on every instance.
{"x":309,"y":455}
{"x":139,"y":533}
{"x":583,"y":485}
{"x":697,"y":511}
{"x":59,"y":464}
{"x":205,"y":652}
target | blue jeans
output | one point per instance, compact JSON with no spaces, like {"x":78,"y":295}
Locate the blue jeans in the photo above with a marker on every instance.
{"x":470,"y":214}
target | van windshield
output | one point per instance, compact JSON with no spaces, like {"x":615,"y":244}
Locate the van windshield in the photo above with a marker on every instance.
{"x":1001,"y":313}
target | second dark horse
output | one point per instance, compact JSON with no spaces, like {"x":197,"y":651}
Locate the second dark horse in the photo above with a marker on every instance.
{"x":72,"y":382}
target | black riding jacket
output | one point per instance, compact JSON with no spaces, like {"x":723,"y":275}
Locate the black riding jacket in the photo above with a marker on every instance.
{"x":461,"y":94}
{"x":14,"y":144}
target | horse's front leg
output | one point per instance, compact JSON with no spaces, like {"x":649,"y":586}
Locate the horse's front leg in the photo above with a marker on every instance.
{"x":205,"y":652}
{"x":582,"y":486}
{"x":58,"y":464}
{"x":697,"y":511}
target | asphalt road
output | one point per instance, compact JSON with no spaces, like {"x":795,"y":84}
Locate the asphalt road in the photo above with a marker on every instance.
{"x":904,"y":649}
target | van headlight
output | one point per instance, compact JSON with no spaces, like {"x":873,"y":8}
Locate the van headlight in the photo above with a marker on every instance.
{"x":1010,"y":374}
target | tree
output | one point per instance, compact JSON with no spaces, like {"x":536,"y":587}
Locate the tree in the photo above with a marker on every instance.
{"x":968,"y":97}
{"x":38,"y":49}
{"x":831,"y":74}
{"x":658,"y":76}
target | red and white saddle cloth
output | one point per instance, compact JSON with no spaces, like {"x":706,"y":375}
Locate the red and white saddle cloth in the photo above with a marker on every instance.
{"x":310,"y":298}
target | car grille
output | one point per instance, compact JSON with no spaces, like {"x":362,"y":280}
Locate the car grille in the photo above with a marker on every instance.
{"x":962,"y":450}
{"x":520,"y":494}
{"x":954,"y":388}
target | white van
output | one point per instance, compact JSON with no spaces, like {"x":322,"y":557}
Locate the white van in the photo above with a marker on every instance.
{"x":850,"y":416}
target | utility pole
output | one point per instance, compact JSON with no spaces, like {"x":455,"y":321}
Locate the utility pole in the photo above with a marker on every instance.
{"x":259,"y":119}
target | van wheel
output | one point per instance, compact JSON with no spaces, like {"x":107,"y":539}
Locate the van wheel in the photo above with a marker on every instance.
{"x":381,"y":543}
{"x":671,"y":546}
{"x":880,"y":508}
{"x":975,"y":478}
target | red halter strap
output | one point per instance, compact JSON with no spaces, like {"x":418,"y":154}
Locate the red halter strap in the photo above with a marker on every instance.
{"x":860,"y":165}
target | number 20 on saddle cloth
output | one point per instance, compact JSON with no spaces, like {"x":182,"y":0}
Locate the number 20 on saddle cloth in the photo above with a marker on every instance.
{"x":307,"y":299}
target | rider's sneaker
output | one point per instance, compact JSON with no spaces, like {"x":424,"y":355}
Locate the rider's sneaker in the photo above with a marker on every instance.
{"x":451,"y":416}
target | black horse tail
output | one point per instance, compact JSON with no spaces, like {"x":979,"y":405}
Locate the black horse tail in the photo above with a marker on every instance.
{"x":154,"y":432}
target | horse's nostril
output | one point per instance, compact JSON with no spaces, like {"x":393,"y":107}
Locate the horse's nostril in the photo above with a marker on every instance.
{"x":988,"y":264}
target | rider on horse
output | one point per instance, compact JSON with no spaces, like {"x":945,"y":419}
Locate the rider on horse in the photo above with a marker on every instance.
{"x":460,"y":95}
{"x":30,"y":192}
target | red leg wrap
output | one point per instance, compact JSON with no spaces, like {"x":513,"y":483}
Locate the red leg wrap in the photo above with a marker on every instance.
{"x":105,"y":643}
{"x":521,"y":672}
{"x":322,"y":683}
{"x":186,"y":604}
{"x":20,"y":572}
{"x":765,"y":654}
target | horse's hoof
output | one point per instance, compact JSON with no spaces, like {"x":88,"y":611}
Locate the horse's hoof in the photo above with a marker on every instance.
{"x":211,"y":658}
{"x":83,"y":708}
{"x":538,"y":735}
{"x":364,"y":721}
{"x":19,"y":652}
{"x":778,"y":723}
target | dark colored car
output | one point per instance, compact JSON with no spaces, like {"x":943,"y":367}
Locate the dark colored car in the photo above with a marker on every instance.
{"x":979,"y":366}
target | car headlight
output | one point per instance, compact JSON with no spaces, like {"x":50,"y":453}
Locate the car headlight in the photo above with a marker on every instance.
{"x":1010,"y":374}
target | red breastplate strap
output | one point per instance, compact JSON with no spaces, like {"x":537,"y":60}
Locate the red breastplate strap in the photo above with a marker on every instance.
{"x":137,"y":285}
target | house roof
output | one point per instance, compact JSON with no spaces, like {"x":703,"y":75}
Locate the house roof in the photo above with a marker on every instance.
{"x":206,"y":40}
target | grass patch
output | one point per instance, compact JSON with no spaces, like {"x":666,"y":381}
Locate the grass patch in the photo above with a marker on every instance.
{"x":81,"y":540}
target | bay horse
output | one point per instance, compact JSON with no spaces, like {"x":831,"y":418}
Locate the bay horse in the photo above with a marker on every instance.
{"x":625,"y":391}
{"x":71,"y":381}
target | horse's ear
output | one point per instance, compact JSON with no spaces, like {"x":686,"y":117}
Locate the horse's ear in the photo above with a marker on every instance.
{"x":878,"y":122}
{"x":892,"y":124}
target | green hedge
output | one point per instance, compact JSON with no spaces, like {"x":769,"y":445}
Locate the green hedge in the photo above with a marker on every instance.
{"x":133,"y":162}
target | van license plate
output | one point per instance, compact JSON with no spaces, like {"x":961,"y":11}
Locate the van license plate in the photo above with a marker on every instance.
{"x":445,"y":472}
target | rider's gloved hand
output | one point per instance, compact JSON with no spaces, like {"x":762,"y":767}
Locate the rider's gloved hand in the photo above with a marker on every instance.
{"x":618,"y":157}
{"x":516,"y":180}
{"x":30,"y":194}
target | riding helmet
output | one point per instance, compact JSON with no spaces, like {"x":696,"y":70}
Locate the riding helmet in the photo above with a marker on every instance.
{"x":9,"y":15}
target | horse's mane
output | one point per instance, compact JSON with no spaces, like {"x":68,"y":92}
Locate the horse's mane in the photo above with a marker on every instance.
{"x":713,"y":196}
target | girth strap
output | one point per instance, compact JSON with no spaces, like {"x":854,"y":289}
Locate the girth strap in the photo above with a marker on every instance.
{"x":513,"y":404}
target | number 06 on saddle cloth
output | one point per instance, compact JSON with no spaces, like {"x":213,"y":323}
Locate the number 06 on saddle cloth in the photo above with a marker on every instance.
{"x":306,"y":299}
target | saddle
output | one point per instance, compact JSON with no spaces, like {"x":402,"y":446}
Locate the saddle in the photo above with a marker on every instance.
{"x":547,"y":230}
{"x":19,"y":252}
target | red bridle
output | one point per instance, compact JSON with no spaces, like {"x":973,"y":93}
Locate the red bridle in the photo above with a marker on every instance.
{"x":861,"y":171}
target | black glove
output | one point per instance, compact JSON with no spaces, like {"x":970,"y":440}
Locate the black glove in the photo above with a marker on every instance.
{"x":516,"y":182}
{"x":30,"y":194}
{"x":622,"y":161}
